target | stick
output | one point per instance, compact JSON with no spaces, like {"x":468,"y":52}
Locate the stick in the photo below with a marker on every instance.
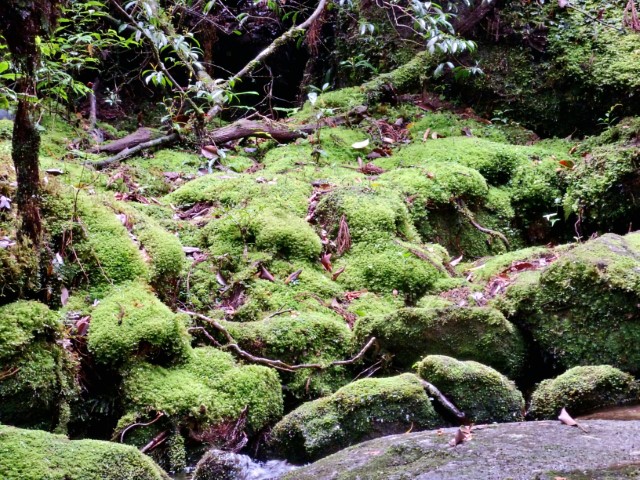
{"x":462,"y":208}
{"x":160,"y":415}
{"x":277,"y":364}
{"x":444,"y":401}
{"x":129,"y":152}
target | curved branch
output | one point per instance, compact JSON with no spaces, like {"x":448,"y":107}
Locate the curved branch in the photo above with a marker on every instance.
{"x":277,"y":364}
{"x":462,"y":208}
{"x":444,"y":401}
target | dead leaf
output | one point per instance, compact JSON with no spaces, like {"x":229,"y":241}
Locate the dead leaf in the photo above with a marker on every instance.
{"x":388,"y":140}
{"x":191,"y":250}
{"x":54,"y":171}
{"x":457,"y":439}
{"x":343,"y":241}
{"x":563,"y":3}
{"x":361,"y":145}
{"x":6,"y":242}
{"x":64,"y":296}
{"x":567,"y":419}
{"x":210,"y":152}
{"x":5,"y":203}
{"x":467,"y":131}
{"x":568,"y":164}
{"x":326,"y":262}
{"x":221,"y":280}
{"x":293,"y":277}
{"x":425,"y":136}
{"x":82,"y":326}
{"x":264,"y":274}
{"x":337,"y":273}
{"x":455,"y":261}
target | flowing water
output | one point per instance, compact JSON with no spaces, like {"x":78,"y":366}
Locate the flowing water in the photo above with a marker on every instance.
{"x":249,"y":469}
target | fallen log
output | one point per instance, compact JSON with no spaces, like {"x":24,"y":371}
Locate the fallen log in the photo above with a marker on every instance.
{"x":141,"y":135}
{"x":129,"y":152}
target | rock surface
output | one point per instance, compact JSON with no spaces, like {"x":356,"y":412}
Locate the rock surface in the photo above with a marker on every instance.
{"x":541,"y":450}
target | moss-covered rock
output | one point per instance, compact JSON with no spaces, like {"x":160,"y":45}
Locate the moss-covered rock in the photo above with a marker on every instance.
{"x":207,"y":390}
{"x":37,"y":376}
{"x":581,"y":309}
{"x":480,"y":334}
{"x":482,"y":393}
{"x":36,"y":455}
{"x":581,"y":389}
{"x":302,"y":337}
{"x":362,"y":410}
{"x":132,"y":322}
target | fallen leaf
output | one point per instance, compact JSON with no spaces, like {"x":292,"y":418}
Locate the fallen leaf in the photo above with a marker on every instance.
{"x":455,"y":261}
{"x":337,"y":273}
{"x":5,"y":203}
{"x":425,"y":136}
{"x":467,"y":131}
{"x":82,"y":326}
{"x":388,"y":140}
{"x":5,"y":242}
{"x":567,"y":164}
{"x":361,"y":145}
{"x":567,"y":419}
{"x":191,"y":250}
{"x":326,"y":262}
{"x":293,"y":277}
{"x":54,"y":171}
{"x":64,"y":296}
{"x":265,"y":274}
{"x":563,"y":3}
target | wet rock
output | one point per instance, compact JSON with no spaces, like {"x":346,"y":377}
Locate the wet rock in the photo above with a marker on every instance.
{"x":481,"y":392}
{"x":582,"y":389}
{"x":220,"y":465}
{"x":518,"y":451}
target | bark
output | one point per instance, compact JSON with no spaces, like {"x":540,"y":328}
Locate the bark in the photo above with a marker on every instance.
{"x":130,"y":152}
{"x":466,"y":22}
{"x":139,"y":136}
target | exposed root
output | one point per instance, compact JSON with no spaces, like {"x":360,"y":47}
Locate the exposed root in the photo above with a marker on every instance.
{"x":464,"y":210}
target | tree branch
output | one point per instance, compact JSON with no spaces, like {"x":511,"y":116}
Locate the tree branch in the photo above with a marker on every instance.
{"x":129,"y":152}
{"x":444,"y":401}
{"x":277,"y":364}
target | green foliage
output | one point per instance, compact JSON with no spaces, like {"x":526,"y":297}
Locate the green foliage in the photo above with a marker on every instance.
{"x":582,"y":389}
{"x":482,"y":393}
{"x":364,"y":409}
{"x":36,"y":455}
{"x":21,"y":323}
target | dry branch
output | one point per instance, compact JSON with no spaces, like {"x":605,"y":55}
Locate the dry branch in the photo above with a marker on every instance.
{"x":139,"y":136}
{"x":277,"y":364}
{"x":129,"y":152}
{"x":462,"y":208}
{"x":444,"y":401}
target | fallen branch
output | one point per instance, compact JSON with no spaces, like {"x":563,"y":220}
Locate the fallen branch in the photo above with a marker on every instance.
{"x":444,"y":401}
{"x":141,"y":135}
{"x":423,"y":256}
{"x":129,"y":152}
{"x":277,"y":364}
{"x":155,"y":441}
{"x":133,"y":425}
{"x":462,"y":208}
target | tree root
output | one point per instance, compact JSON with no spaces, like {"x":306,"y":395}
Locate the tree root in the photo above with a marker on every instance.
{"x":464,"y":210}
{"x":277,"y":364}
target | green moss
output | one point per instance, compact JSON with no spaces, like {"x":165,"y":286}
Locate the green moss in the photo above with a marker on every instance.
{"x":36,"y":455}
{"x":582,"y":389}
{"x":287,"y":235}
{"x":362,"y":410}
{"x":482,"y":393}
{"x":486,"y":268}
{"x":6,"y":129}
{"x":300,"y":337}
{"x":23,"y":321}
{"x":385,"y":268}
{"x":583,"y":309}
{"x":208,"y":389}
{"x":480,"y":334}
{"x":132,"y":322}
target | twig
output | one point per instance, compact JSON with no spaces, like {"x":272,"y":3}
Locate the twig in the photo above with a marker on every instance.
{"x":133,"y":425}
{"x":279,"y":312}
{"x":444,"y":401}
{"x":277,"y":364}
{"x":426,"y":258}
{"x":130,"y":152}
{"x":462,"y":208}
{"x":155,"y":441}
{"x":9,"y":373}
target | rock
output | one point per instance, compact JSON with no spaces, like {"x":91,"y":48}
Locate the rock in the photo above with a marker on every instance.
{"x":364,"y":409}
{"x":581,"y":309}
{"x":482,"y":393}
{"x":517,"y":451}
{"x":217,"y":465}
{"x":36,"y":455}
{"x":480,"y":334}
{"x":582,"y":389}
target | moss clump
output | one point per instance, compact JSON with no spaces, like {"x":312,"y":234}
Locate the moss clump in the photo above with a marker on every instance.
{"x":582,"y":308}
{"x":287,"y":235}
{"x":132,"y":322}
{"x":480,"y":334}
{"x":362,"y":410}
{"x":582,"y":389}
{"x":385,"y":268}
{"x":207,"y":390}
{"x":38,"y":375}
{"x":18,"y":267}
{"x":36,"y":455}
{"x":482,"y":393}
{"x":300,"y":338}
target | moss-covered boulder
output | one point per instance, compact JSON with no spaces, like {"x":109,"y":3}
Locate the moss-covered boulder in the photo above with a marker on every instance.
{"x":207,"y":390}
{"x":581,"y":389}
{"x":582,"y":308}
{"x":132,"y":322}
{"x":37,"y":375}
{"x":481,"y":334}
{"x":482,"y":393}
{"x":362,"y":410}
{"x":37,"y":455}
{"x":300,"y":338}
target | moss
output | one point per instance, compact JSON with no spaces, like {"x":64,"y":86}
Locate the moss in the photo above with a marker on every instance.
{"x":132,"y":322}
{"x":582,"y":310}
{"x":287,"y":235}
{"x":385,"y":268}
{"x":6,"y":129}
{"x":23,"y":321}
{"x":485,"y":268}
{"x":482,"y":393}
{"x":208,"y":389}
{"x":36,"y":455}
{"x":480,"y":334}
{"x":301,"y":337}
{"x":362,"y":410}
{"x":582,"y":389}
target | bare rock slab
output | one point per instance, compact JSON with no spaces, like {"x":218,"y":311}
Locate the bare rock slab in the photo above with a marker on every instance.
{"x":517,"y":451}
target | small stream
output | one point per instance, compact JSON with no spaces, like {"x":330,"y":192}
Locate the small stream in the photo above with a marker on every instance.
{"x":248,"y":469}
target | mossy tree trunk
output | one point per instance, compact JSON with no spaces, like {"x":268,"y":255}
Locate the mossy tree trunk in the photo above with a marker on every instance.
{"x":22,"y":22}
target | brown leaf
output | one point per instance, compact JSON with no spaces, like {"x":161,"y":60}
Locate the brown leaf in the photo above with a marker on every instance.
{"x":455,"y":261}
{"x":567,"y":419}
{"x":293,"y":277}
{"x":82,"y":325}
{"x":209,"y":151}
{"x":264,"y":274}
{"x":337,"y":273}
{"x":326,"y":262}
{"x":343,"y":242}
{"x":467,"y":131}
{"x":426,"y":134}
{"x":458,"y":438}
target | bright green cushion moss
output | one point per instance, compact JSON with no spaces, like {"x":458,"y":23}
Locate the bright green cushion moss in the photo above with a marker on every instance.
{"x":21,"y":322}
